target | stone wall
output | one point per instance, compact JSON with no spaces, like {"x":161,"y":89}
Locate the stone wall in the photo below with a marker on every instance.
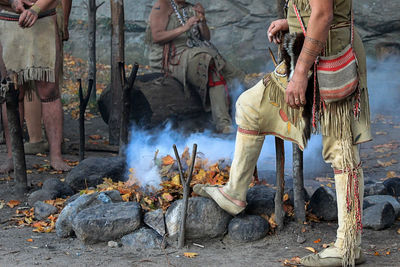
{"x":238,"y":28}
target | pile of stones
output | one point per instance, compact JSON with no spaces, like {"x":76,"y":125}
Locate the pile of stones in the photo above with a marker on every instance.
{"x":104,"y":217}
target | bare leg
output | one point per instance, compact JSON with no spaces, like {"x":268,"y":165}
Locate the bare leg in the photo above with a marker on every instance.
{"x":53,"y":121}
{"x":33,"y":118}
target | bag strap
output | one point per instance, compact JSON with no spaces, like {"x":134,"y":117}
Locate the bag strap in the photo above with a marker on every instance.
{"x":303,"y":28}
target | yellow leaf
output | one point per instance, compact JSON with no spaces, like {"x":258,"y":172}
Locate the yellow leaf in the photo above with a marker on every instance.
{"x":126,"y":197}
{"x":311,"y":249}
{"x":387,"y":252}
{"x":29,"y":171}
{"x":286,"y":197}
{"x":176,"y":180}
{"x":329,"y":185}
{"x":13,"y":203}
{"x":168,"y":197}
{"x":190,"y":254}
{"x":391,"y":174}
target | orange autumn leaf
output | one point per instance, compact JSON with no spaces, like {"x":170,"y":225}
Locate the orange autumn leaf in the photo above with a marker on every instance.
{"x":376,"y":253}
{"x":190,"y":254}
{"x":317,"y":241}
{"x":29,"y":240}
{"x":286,"y":197}
{"x":13,"y":203}
{"x":313,"y":250}
{"x":95,"y":137}
{"x":168,"y":160}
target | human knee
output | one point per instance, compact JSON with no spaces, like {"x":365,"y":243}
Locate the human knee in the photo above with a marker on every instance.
{"x":333,"y":152}
{"x":247,"y":115}
{"x":48,"y":92}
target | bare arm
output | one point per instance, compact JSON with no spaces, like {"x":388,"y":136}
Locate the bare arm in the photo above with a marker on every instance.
{"x":66,"y":4}
{"x":158,"y":23}
{"x":29,"y":16}
{"x":317,"y":33}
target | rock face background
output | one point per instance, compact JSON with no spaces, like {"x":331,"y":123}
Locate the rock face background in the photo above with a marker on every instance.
{"x":238,"y":29}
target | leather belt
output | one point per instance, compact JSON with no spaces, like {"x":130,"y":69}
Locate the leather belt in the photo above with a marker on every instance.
{"x":12,"y":17}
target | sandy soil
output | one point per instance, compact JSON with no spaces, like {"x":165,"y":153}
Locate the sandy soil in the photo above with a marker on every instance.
{"x":381,"y":247}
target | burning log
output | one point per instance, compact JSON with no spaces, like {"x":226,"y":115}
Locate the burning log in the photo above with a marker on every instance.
{"x":83,"y":101}
{"x":186,"y":191}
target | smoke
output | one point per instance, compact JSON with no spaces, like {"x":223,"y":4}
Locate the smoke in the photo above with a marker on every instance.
{"x":384,"y":85}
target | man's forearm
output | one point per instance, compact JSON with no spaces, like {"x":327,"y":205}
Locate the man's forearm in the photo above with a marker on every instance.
{"x":205,"y":31}
{"x":45,"y":4}
{"x":317,"y":34}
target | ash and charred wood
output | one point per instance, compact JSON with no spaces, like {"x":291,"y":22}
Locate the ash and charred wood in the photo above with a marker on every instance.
{"x":117,"y":55}
{"x":17,"y":143}
{"x":280,"y":182}
{"x":126,"y":105}
{"x":186,"y":191}
{"x":83,"y":101}
{"x":298,"y":184}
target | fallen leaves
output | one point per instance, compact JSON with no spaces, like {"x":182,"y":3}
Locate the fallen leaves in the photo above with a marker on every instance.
{"x":398,"y":231}
{"x":386,"y":163}
{"x":168,"y":160}
{"x":190,"y":254}
{"x":13,"y":203}
{"x":313,"y":250}
{"x":29,"y":240}
{"x":292,"y":262}
{"x":2,"y":204}
{"x":317,"y":241}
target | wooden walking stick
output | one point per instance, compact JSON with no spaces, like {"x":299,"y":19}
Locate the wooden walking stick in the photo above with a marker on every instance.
{"x":83,"y":101}
{"x":280,"y":172}
{"x":298,"y":184}
{"x":186,"y":191}
{"x":10,"y":95}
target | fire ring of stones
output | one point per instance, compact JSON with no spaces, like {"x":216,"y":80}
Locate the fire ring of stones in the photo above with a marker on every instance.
{"x":105,"y":217}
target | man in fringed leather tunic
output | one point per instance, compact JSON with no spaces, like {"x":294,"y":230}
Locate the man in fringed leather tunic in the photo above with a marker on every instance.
{"x":286,"y":105}
{"x":31,"y":45}
{"x":180,"y":46}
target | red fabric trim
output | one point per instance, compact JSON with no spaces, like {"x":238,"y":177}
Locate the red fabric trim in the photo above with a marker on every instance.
{"x":337,"y":171}
{"x":335,"y":65}
{"x":234,"y":201}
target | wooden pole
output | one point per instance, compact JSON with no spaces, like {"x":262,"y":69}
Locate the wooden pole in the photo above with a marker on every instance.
{"x":17,"y":143}
{"x":117,"y":56}
{"x":298,"y":184}
{"x":126,"y":107}
{"x":280,"y":182}
{"x":186,"y":191}
{"x":83,"y":101}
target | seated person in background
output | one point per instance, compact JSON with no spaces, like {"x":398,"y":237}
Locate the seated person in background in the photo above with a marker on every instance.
{"x":180,"y":47}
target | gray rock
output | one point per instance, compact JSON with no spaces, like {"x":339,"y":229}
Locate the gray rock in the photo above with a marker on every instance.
{"x":392,"y":186}
{"x":379,"y":216}
{"x":260,"y":200}
{"x":114,"y":195}
{"x":112,"y":244}
{"x":373,"y":200}
{"x":54,"y":184}
{"x":373,"y":188}
{"x":41,"y":195}
{"x":64,"y":221}
{"x":323,"y":203}
{"x":91,"y":171}
{"x":248,"y":228}
{"x":205,"y":219}
{"x":107,"y":222}
{"x":156,"y":221}
{"x":43,"y":210}
{"x":290,"y":192}
{"x":143,"y":238}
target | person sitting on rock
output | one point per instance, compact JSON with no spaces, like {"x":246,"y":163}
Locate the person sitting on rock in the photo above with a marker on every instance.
{"x":180,"y":46}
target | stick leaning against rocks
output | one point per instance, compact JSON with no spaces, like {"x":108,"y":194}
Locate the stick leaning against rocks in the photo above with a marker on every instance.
{"x":186,"y":191}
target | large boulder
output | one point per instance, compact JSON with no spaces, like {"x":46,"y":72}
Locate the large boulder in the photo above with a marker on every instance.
{"x":379,"y":216}
{"x":205,"y":219}
{"x":373,"y":200}
{"x":260,"y":200}
{"x":155,"y":220}
{"x":41,"y":195}
{"x":91,"y":171}
{"x":323,"y":203}
{"x":54,"y":184}
{"x":143,"y":238}
{"x":248,"y":228}
{"x":107,"y":222}
{"x":372,"y":188}
{"x":392,"y":186}
{"x":44,"y":210}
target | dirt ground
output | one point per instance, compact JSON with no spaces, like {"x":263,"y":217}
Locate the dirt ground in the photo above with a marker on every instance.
{"x":382,"y":248}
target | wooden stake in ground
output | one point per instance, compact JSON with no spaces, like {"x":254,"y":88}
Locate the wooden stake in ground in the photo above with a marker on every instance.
{"x":280,"y":182}
{"x":186,"y":191}
{"x":92,"y":9}
{"x":298,"y":184}
{"x":126,"y":106}
{"x":83,"y":101}
{"x":14,"y":126}
{"x":117,"y":56}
